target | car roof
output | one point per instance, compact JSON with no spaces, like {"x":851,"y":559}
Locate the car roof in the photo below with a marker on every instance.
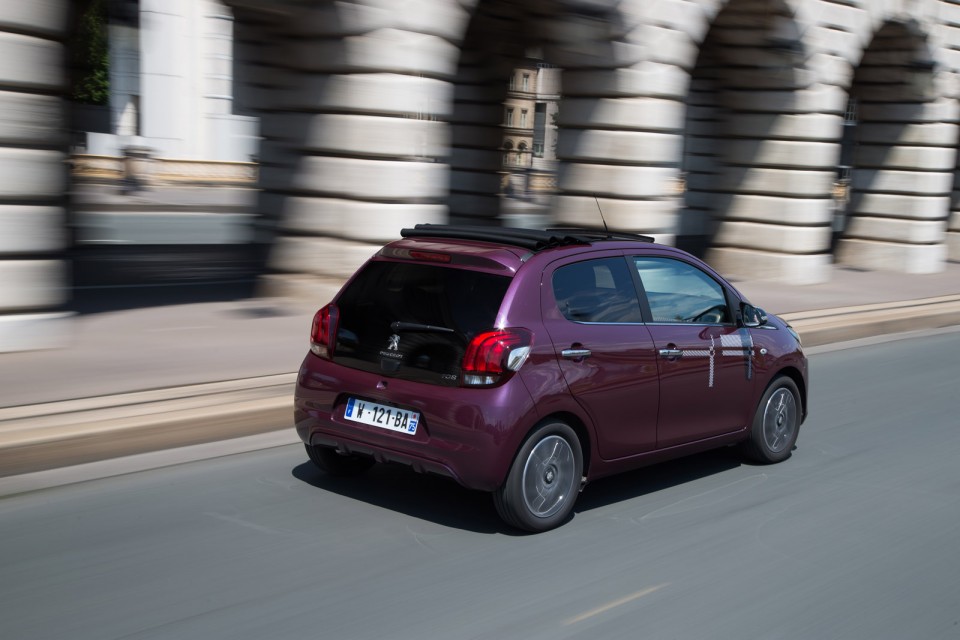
{"x":530,"y":239}
{"x":500,"y":249}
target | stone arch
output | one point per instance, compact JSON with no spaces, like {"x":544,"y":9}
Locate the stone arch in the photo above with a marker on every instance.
{"x":760,"y":148}
{"x":493,"y":43}
{"x":618,"y":117}
{"x":904,"y":157}
{"x":375,"y":119}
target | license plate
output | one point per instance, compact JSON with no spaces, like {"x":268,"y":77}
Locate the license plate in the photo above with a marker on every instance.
{"x":379,"y":415}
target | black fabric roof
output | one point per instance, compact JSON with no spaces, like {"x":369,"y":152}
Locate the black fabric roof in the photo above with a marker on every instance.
{"x":532,"y":239}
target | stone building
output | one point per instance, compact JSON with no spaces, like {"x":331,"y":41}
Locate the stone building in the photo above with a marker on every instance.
{"x":530,"y":131}
{"x":171,"y":84}
{"x":720,"y":124}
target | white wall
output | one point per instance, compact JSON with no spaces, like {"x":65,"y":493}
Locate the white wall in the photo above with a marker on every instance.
{"x":179,"y":67}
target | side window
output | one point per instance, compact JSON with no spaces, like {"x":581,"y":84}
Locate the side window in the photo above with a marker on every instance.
{"x":680,"y":292}
{"x":597,"y":291}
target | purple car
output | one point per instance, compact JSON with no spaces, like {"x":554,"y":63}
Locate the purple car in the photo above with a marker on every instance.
{"x":526,"y":363}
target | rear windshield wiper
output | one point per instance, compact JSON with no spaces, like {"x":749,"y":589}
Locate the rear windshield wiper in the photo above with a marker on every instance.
{"x":400,"y":327}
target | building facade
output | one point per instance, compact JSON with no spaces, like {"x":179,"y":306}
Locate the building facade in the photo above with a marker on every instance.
{"x":172,"y":85}
{"x":530,"y":131}
{"x":721,"y":124}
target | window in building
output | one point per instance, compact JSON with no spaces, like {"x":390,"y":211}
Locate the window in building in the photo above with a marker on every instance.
{"x":521,"y":151}
{"x":523,"y":118}
{"x":848,"y":140}
{"x":526,"y":82}
{"x":539,"y":128}
{"x":509,"y":117}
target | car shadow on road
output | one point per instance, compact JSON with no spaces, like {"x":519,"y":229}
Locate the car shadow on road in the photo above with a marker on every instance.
{"x":398,"y":488}
{"x":657,"y":477}
{"x":442,"y":501}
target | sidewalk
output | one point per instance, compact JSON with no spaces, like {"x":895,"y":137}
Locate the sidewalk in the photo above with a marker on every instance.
{"x":154,"y":378}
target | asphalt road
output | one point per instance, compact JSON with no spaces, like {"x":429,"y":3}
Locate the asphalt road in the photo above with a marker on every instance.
{"x":856,"y":536}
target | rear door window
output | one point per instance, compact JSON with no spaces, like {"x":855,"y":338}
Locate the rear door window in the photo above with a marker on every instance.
{"x":599,"y":290}
{"x":414,"y":321}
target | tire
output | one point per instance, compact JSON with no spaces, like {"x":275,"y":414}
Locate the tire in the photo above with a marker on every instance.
{"x":776,"y":423}
{"x":544,"y":480}
{"x":333,"y":463}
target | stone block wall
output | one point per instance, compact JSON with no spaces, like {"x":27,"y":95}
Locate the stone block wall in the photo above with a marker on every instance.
{"x":33,"y":232}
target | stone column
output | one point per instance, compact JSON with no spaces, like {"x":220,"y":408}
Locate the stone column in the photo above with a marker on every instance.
{"x":361,"y":117}
{"x":620,"y":139}
{"x":217,"y":57}
{"x":953,"y":227}
{"x":227,"y":133}
{"x":702,"y":157}
{"x":476,"y":136}
{"x":901,"y":186}
{"x":124,"y":42}
{"x":779,"y":150}
{"x":166,"y":100}
{"x":216,"y":82}
{"x":33,"y":271}
{"x":778,"y":174}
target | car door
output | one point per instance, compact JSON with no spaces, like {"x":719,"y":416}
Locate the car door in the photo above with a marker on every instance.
{"x":705,"y":360}
{"x":593,"y":315}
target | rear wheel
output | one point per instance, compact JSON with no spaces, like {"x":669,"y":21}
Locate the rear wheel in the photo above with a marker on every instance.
{"x":776,"y":423}
{"x":334,"y":463}
{"x":544,"y":480}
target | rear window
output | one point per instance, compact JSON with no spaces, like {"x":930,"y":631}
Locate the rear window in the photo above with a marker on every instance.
{"x":439,"y":309}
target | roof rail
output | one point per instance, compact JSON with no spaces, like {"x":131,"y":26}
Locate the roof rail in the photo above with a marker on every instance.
{"x":533,"y":239}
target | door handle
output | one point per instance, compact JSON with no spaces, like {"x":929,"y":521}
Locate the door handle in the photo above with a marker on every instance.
{"x":671,"y":353}
{"x":575,"y":354}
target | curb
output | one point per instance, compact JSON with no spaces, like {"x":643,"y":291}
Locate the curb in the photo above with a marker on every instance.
{"x":57,"y":434}
{"x":826,"y":326}
{"x":71,"y":432}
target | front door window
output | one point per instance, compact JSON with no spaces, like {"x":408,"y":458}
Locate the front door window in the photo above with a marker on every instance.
{"x":702,"y":354}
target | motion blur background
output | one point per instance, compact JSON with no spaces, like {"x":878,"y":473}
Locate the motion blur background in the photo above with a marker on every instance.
{"x":163,"y":151}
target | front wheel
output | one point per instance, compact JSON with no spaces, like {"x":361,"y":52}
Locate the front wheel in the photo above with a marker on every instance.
{"x":544,"y":480}
{"x":776,"y":423}
{"x":334,"y":463}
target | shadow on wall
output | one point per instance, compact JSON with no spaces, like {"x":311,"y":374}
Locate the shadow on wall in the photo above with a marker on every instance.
{"x":743,"y":87}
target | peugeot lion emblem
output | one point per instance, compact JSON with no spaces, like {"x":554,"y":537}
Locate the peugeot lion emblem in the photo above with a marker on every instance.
{"x":394,"y":343}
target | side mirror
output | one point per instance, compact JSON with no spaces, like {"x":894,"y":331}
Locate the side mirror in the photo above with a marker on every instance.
{"x":751,"y":316}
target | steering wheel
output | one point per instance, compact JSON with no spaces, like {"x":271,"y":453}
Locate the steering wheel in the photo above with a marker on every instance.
{"x":713,"y":315}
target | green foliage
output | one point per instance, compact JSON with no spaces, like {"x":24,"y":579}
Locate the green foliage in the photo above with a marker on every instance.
{"x":91,"y":56}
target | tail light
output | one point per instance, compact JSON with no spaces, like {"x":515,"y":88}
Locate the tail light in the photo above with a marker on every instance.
{"x":324,"y":330}
{"x":493,"y":354}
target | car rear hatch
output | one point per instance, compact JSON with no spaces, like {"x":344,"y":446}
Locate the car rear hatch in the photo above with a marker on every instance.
{"x":415,"y":309}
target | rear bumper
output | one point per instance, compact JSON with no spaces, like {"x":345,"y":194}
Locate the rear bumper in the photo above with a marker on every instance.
{"x":470,"y":435}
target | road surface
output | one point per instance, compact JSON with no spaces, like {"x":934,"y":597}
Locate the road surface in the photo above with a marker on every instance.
{"x":856,"y":536}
